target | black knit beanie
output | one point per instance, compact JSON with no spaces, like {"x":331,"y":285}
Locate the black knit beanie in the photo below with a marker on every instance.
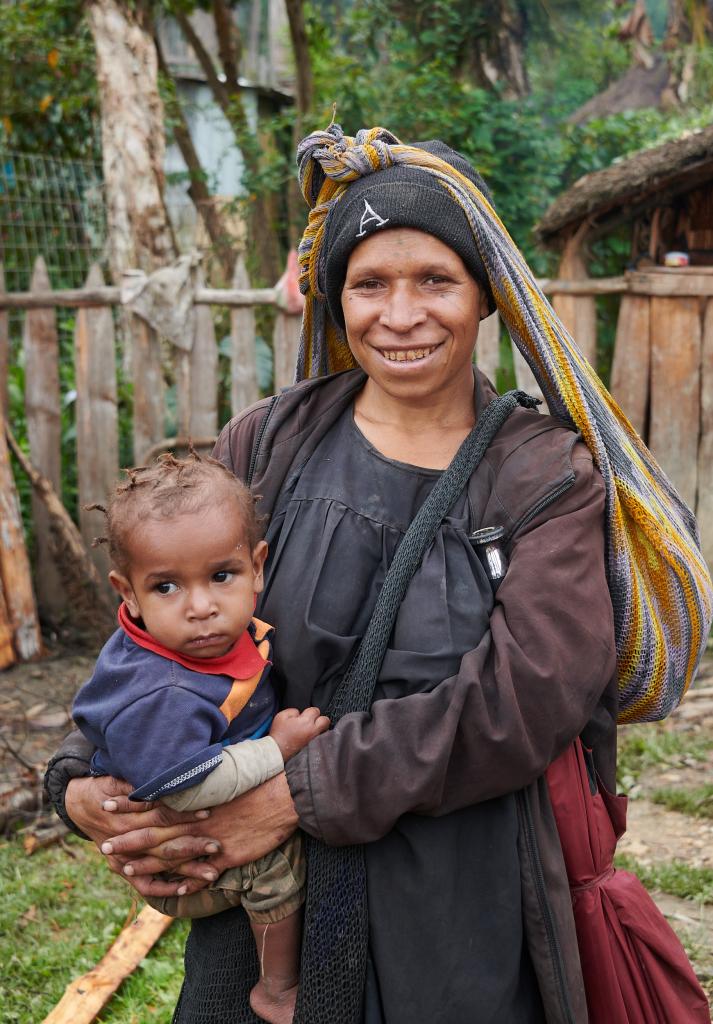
{"x":401,"y":196}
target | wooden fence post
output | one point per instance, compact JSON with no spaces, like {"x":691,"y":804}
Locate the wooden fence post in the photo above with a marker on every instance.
{"x":577,"y":312}
{"x":15,"y":565}
{"x":288,"y":324}
{"x":524,"y":377}
{"x":632,"y":360}
{"x":96,"y":418}
{"x":704,"y":511}
{"x":4,"y":351}
{"x":487,"y":347}
{"x":147,"y":375}
{"x":42,"y":406}
{"x":243,"y":366}
{"x":675,"y":390}
{"x":203,"y":420}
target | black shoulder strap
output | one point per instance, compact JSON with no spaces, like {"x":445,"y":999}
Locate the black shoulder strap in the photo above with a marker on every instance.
{"x":356,"y":690}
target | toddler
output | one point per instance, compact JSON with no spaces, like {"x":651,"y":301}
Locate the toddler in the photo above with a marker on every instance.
{"x":181,"y":704}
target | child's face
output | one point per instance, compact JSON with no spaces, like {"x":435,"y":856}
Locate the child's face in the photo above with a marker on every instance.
{"x":193,"y":580}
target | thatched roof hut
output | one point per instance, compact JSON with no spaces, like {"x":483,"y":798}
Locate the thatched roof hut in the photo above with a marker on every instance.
{"x":666,"y":193}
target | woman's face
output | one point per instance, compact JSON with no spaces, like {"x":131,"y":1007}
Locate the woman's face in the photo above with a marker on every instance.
{"x":412,"y":311}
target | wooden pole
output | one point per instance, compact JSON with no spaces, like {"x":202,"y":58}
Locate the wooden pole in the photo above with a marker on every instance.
{"x":487,"y":347}
{"x":204,"y":375}
{"x":577,"y":312}
{"x":85,"y":997}
{"x":675,"y":391}
{"x":632,"y":360}
{"x":83,"y":585}
{"x":147,"y":375}
{"x":524,"y":377}
{"x":4,"y":350}
{"x":110,"y":295}
{"x":7,"y":650}
{"x":243,"y":367}
{"x":288,"y":324}
{"x":704,"y":511}
{"x":42,"y":407}
{"x":96,"y":418}
{"x":15,"y":565}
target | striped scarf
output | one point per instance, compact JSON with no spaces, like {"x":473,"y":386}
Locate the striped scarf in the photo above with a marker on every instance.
{"x":660,"y":586}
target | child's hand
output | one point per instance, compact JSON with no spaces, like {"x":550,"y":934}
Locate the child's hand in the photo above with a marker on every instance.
{"x":292,"y":729}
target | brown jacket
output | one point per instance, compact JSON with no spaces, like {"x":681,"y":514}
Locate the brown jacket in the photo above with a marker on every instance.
{"x":540,"y":675}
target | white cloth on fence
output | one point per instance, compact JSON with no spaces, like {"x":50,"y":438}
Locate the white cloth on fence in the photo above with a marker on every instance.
{"x":165,"y":299}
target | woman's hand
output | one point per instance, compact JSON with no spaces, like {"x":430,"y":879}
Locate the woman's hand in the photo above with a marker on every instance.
{"x":248,"y":827}
{"x":101,"y":808}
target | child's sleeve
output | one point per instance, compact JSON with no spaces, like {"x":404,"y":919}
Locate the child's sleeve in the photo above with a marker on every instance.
{"x":165,"y":740}
{"x":243,"y":766}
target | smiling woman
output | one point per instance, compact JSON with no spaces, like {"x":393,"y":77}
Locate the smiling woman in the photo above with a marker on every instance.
{"x":450,"y":902}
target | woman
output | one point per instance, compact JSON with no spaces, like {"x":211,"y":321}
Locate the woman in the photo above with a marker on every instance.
{"x":469,"y":909}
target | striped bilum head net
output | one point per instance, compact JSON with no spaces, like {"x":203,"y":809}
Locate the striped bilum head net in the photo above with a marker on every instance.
{"x":660,"y":585}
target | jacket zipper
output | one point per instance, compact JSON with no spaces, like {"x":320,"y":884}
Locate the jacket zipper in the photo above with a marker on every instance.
{"x":545,"y":909}
{"x":258,"y":440}
{"x":535,"y":509}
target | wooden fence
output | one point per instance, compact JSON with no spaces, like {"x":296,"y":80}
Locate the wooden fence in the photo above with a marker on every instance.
{"x":662,"y":376}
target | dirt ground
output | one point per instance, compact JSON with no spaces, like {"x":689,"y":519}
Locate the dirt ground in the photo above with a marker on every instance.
{"x":35,"y":701}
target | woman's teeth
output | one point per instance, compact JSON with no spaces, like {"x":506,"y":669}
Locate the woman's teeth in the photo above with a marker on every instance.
{"x":407,"y":355}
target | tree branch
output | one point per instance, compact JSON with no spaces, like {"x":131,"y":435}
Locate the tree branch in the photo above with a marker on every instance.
{"x":229,"y":42}
{"x":303,"y":62}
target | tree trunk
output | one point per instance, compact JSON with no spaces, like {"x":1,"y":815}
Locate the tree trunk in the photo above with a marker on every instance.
{"x":133,"y":140}
{"x":499,"y":59}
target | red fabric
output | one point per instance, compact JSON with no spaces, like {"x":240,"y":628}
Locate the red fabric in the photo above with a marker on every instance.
{"x":243,"y":660}
{"x":635,"y":969}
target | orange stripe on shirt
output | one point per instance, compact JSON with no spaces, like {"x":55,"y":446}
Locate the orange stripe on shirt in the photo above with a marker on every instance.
{"x":240,"y":693}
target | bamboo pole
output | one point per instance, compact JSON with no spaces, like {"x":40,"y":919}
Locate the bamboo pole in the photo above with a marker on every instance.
{"x":15,"y":565}
{"x":85,"y":997}
{"x":96,"y":419}
{"x":203,"y":418}
{"x":243,"y":367}
{"x":42,"y":407}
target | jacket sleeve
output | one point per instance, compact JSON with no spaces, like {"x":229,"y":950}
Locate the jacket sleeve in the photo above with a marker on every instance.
{"x":518,"y":699}
{"x":161,"y":731}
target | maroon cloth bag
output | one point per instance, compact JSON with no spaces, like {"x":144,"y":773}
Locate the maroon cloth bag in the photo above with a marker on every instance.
{"x":635,"y":969}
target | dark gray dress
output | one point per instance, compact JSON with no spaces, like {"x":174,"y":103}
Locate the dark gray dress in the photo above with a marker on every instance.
{"x":446,"y":939}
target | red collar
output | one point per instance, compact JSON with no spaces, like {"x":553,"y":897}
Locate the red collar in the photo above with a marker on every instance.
{"x":243,"y":660}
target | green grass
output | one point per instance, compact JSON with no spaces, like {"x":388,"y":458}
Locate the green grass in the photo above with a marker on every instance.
{"x":674,"y":877}
{"x":62,"y":909}
{"x":644,"y":746}
{"x":697,"y":802}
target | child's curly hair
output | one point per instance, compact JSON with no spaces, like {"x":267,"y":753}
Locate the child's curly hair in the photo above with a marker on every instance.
{"x":172,"y":487}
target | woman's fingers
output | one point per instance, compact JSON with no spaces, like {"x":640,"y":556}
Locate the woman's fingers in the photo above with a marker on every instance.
{"x":171,"y":843}
{"x":150,"y":885}
{"x":196,"y":869}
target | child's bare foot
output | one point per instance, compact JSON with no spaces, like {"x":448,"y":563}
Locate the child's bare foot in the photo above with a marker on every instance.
{"x":274,"y":1007}
{"x":292,"y":729}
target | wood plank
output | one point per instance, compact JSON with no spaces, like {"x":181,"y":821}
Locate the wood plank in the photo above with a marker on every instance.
{"x":96,"y":419}
{"x":85,"y":997}
{"x":487,"y":347}
{"x":658,"y":282}
{"x":15,"y":564}
{"x":4,"y":350}
{"x":704,"y":510}
{"x":285,"y":344}
{"x":147,"y":375}
{"x":42,"y":408}
{"x":243,"y":366}
{"x":674,"y":419}
{"x":203,"y":421}
{"x":578,"y":313}
{"x":111,"y":296}
{"x":7,"y":649}
{"x":632,"y":360}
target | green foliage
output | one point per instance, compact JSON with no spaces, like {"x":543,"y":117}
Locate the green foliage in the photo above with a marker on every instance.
{"x":62,"y":909}
{"x":697,"y":802}
{"x":675,"y":877}
{"x":642,"y":747}
{"x":48,"y":96}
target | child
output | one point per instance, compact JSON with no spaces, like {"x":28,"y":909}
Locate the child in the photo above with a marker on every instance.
{"x":180,"y":703}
